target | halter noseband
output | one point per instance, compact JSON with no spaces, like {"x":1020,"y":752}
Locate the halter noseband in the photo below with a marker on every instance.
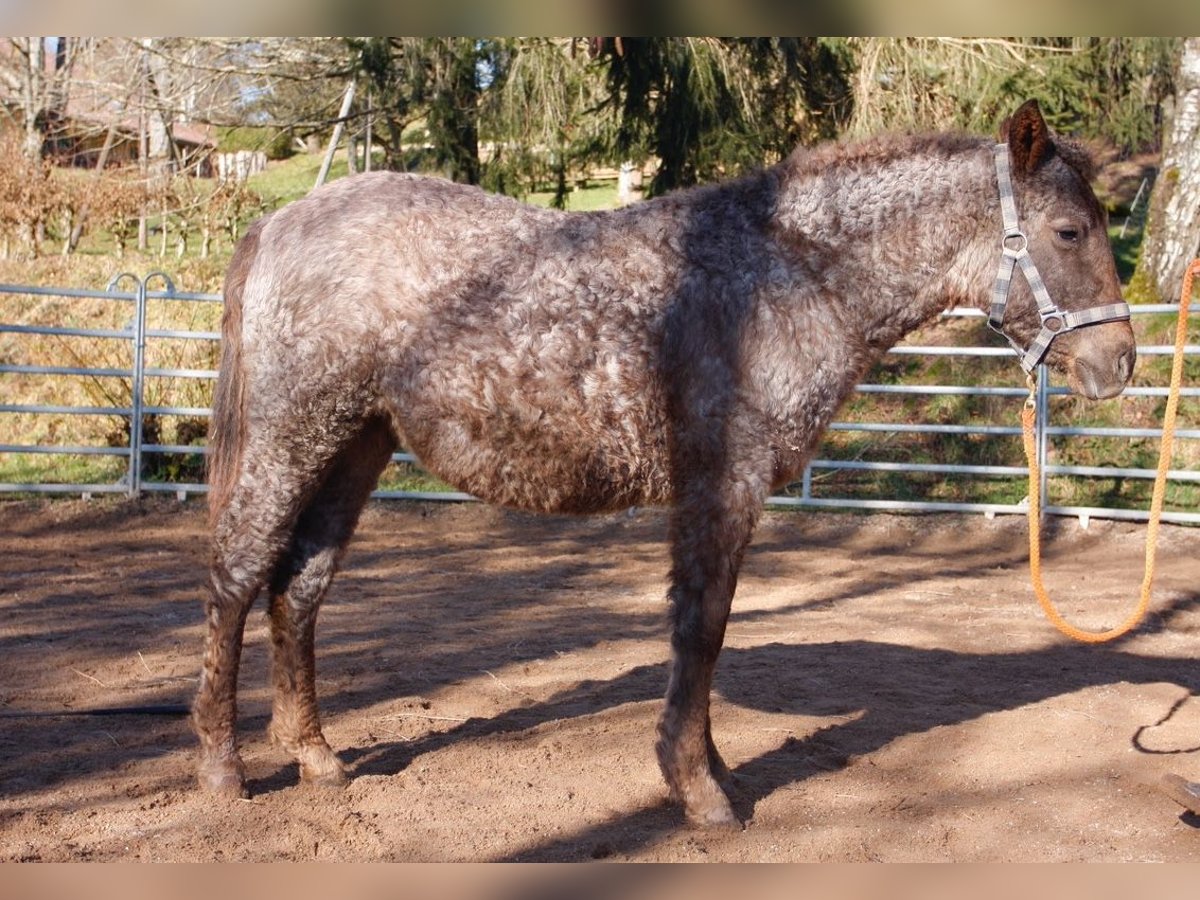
{"x":1015,"y":249}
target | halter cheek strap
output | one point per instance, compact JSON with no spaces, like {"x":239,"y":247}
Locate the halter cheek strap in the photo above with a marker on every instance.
{"x":1014,"y":251}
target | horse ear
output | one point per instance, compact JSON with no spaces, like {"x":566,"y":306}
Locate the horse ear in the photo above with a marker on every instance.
{"x":1028,"y":138}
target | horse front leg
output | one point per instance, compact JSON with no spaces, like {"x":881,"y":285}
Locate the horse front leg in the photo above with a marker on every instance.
{"x":709,"y":538}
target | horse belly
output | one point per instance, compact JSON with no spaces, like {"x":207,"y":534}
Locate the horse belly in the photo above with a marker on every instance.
{"x":571,"y":444}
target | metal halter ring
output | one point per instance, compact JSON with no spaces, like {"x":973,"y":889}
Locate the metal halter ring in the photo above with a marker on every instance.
{"x":1024,"y":245}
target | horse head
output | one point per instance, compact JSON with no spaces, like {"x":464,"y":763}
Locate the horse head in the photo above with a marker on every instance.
{"x":1074,"y":320}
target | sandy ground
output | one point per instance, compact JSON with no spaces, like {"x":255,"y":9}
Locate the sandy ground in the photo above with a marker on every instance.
{"x":889,"y":691}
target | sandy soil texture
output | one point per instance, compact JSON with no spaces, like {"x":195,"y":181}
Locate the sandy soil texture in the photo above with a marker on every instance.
{"x":888,"y":691}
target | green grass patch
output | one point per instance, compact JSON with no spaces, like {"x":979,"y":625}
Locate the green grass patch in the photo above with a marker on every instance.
{"x":1125,"y":250}
{"x":290,"y":179}
{"x":402,"y":476}
{"x":40,"y":468}
{"x":589,"y":197}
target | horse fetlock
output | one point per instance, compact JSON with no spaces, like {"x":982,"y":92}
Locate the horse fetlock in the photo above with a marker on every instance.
{"x":283,"y":732}
{"x":708,"y":807}
{"x":691,"y":782}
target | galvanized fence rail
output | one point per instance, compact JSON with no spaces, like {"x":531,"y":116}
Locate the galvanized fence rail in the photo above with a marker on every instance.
{"x":138,"y":293}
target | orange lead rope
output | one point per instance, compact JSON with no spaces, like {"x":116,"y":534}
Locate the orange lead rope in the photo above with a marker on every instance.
{"x":1028,"y":422}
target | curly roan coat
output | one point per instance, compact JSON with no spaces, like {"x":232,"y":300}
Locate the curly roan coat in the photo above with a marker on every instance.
{"x":686,"y":351}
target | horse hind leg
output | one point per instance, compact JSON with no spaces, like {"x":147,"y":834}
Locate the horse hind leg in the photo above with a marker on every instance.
{"x":278,"y":469}
{"x":300,"y":583}
{"x":250,"y":534}
{"x":214,"y":713}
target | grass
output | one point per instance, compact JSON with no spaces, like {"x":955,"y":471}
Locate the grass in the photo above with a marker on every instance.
{"x":400,"y":476}
{"x":290,"y":179}
{"x":24,"y":468}
{"x":589,"y":197}
{"x":1125,"y":250}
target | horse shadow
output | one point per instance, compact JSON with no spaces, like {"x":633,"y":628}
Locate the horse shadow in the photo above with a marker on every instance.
{"x":884,"y":692}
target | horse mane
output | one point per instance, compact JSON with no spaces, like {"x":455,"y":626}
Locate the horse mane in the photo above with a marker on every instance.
{"x":880,"y":149}
{"x":877,"y":150}
{"x":1077,"y":156}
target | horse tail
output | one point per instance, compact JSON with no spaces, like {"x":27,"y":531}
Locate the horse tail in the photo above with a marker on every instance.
{"x":227,"y":427}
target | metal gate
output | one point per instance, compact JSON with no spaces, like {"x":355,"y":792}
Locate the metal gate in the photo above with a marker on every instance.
{"x":126,"y":291}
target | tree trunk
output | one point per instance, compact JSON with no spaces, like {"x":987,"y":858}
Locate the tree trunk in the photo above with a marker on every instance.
{"x":1173,"y":229}
{"x":34,"y":99}
{"x":110,"y":138}
{"x":68,"y":229}
{"x":162,"y":229}
{"x":369,"y":137}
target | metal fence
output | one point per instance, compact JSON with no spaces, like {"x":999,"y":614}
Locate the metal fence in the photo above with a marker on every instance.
{"x":127,"y":291}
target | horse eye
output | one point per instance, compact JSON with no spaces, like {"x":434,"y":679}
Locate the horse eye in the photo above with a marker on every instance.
{"x":1070,"y":235}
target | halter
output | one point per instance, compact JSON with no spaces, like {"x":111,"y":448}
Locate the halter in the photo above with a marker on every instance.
{"x":1015,"y":249}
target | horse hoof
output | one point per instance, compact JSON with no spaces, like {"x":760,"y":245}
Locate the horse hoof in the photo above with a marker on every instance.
{"x":327,"y":779}
{"x":332,"y":776}
{"x":716,"y":814}
{"x":225,"y":784}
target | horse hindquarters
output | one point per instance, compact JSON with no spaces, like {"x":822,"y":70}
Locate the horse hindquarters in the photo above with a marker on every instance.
{"x":285,"y":494}
{"x":286,"y":524}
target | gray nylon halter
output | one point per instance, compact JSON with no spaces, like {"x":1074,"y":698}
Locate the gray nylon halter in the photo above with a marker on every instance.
{"x":1054,"y":320}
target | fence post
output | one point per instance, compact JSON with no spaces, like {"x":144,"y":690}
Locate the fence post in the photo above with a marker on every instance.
{"x":1133,"y":215}
{"x":138,"y":336}
{"x":136,"y":401}
{"x":139,"y":380}
{"x":1042,"y":438}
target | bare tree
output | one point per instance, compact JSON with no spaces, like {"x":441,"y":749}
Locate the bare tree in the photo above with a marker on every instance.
{"x":35,"y":72}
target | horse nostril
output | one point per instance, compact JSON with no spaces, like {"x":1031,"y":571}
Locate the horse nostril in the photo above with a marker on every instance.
{"x":1125,"y":364}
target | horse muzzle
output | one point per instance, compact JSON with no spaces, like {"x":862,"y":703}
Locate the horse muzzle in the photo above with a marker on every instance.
{"x":1101,"y":367}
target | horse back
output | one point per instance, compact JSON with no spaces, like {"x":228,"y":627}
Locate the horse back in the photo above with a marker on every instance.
{"x":504,"y":342}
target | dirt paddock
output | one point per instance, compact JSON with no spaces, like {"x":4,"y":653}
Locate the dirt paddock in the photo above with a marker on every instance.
{"x":889,"y":691}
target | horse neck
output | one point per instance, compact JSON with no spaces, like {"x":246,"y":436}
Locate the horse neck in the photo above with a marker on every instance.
{"x":899,"y":236}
